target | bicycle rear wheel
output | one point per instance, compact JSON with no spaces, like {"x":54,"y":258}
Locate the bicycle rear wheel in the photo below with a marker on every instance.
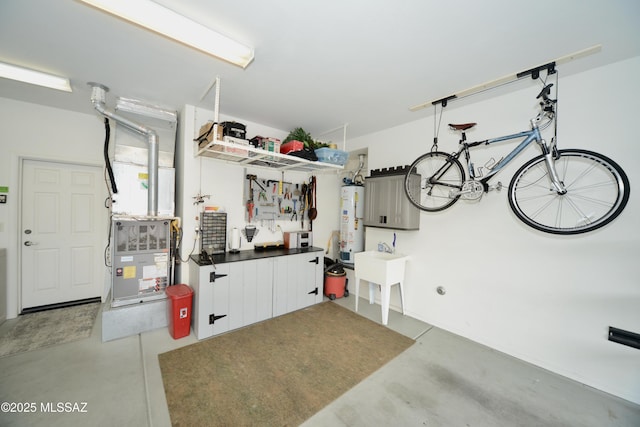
{"x":440,"y":174}
{"x":597,"y":192}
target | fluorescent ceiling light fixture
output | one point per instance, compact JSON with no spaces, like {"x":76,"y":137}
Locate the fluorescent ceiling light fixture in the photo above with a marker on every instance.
{"x":164,"y":21}
{"x":34,"y":77}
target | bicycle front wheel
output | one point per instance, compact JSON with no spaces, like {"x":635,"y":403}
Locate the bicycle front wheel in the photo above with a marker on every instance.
{"x":597,"y":192}
{"x":441,"y":177}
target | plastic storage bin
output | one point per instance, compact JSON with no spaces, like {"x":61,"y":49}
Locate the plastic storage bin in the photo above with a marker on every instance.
{"x":331,"y":155}
{"x":291,"y":146}
{"x":179,"y":310}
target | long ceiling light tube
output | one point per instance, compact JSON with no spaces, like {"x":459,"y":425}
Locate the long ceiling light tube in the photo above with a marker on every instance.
{"x":166,"y":22}
{"x":34,"y":77}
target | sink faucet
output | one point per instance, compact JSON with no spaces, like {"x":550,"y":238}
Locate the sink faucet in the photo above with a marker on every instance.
{"x":384,"y":247}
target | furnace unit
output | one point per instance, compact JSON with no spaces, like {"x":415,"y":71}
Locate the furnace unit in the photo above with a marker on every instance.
{"x":141,"y":260}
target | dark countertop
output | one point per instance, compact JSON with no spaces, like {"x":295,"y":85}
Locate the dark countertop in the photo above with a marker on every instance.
{"x":252,"y":254}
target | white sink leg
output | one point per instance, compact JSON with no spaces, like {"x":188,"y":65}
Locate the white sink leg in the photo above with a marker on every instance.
{"x":385,"y":296}
{"x":372,"y":293}
{"x":357,"y":292}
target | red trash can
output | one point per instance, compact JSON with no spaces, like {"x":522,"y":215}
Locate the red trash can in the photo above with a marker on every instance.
{"x":179,"y":310}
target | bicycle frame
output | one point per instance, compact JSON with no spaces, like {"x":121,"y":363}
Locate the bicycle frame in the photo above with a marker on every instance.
{"x":529,"y":136}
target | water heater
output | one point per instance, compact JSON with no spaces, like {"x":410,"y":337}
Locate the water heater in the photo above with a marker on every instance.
{"x":351,"y":222}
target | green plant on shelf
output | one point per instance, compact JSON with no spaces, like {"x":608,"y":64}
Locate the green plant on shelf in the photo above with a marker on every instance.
{"x":299,"y":134}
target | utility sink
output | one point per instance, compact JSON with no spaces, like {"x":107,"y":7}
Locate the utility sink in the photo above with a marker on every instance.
{"x":380,"y":269}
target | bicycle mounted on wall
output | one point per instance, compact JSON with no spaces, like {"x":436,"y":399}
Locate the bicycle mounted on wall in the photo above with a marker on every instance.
{"x":561,"y":191}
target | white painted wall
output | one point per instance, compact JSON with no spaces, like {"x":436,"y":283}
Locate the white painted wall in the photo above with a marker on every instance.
{"x":545,"y":299}
{"x":39,"y":132}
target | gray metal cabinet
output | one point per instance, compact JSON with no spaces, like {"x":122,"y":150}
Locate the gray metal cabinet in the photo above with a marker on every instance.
{"x":386,"y":204}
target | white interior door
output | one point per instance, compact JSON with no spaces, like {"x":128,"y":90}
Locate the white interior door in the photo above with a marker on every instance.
{"x":63,"y":231}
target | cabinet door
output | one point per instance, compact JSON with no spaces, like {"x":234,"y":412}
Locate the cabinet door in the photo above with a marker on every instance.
{"x":297,"y":282}
{"x":403,"y":215}
{"x":373,"y":194}
{"x":257,"y":289}
{"x":211,"y":299}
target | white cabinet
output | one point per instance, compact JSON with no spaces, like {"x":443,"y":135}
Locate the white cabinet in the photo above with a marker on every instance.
{"x":236,"y":294}
{"x":231,"y":296}
{"x":386,"y":204}
{"x":297,"y":282}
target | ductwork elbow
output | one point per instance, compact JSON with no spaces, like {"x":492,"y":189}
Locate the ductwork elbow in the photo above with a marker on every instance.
{"x":98,"y":99}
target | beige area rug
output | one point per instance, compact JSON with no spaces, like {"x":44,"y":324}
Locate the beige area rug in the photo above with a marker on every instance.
{"x":275,"y":373}
{"x":47,"y":328}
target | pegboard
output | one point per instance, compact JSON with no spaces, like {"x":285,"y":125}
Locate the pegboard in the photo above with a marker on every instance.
{"x":275,"y":199}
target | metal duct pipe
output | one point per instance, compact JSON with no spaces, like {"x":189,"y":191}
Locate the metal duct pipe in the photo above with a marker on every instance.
{"x":360,"y":166}
{"x":98,"y":99}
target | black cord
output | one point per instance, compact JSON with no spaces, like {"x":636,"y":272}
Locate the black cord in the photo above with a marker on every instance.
{"x":107,"y":131}
{"x":436,"y":127}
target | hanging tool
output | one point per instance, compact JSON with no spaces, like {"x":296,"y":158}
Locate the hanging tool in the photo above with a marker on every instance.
{"x":313,"y":212}
{"x":250,"y":207}
{"x":303,"y":200}
{"x":280,"y":184}
{"x":250,"y":204}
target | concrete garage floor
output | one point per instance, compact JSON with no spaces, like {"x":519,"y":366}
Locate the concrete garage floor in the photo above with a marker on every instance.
{"x":442,"y":380}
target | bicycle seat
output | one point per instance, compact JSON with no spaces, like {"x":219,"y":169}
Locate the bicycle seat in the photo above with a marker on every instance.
{"x":463,"y":126}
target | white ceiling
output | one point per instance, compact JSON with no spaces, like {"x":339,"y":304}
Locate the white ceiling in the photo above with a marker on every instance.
{"x":318,"y":63}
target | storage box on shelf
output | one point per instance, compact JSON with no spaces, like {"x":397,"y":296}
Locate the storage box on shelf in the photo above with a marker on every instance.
{"x":331,"y":155}
{"x":291,"y":146}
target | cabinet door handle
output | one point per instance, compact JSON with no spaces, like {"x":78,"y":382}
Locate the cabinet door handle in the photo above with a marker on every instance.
{"x":315,"y":260}
{"x":315,"y":291}
{"x":213,"y":276}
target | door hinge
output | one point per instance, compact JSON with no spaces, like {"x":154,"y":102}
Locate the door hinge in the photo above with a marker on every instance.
{"x":213,"y":276}
{"x":213,"y":318}
{"x":315,"y":260}
{"x":315,"y":291}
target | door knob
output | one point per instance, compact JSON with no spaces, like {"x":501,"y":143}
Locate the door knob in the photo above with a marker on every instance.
{"x":28,"y":243}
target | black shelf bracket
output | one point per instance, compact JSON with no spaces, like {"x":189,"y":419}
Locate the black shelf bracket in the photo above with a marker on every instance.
{"x":535,"y":72}
{"x":444,"y":101}
{"x":624,"y":337}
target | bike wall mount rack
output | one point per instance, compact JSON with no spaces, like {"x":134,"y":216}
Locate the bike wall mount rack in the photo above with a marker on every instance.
{"x":534,"y":72}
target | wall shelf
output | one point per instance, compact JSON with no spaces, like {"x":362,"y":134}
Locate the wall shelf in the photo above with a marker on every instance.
{"x":250,"y":156}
